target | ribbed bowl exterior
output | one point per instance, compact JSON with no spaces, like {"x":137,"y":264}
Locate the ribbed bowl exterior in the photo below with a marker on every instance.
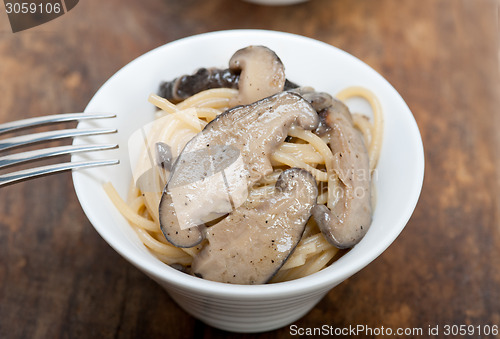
{"x":246,"y":315}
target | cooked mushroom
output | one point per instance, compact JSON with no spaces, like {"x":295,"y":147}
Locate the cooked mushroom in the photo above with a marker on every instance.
{"x":350,"y":217}
{"x":319,"y":100}
{"x":164,"y":155}
{"x":323,"y":103}
{"x":259,"y":68}
{"x":262,"y":73}
{"x":253,"y":242}
{"x":255,"y":130}
{"x":185,"y":86}
{"x":205,"y":185}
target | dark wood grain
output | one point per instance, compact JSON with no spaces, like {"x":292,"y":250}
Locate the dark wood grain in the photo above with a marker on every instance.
{"x":59,"y":279}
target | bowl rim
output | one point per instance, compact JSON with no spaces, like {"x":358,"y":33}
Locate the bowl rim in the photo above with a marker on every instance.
{"x":323,"y":279}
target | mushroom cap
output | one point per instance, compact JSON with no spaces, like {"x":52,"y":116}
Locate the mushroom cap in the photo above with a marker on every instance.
{"x":253,"y":242}
{"x":255,"y":131}
{"x":187,"y":85}
{"x":349,"y":219}
{"x":262,"y":73}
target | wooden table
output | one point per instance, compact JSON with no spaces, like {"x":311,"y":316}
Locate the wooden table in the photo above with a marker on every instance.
{"x":59,"y":279}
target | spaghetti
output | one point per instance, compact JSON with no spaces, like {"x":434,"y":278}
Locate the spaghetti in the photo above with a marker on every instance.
{"x":176,"y":124}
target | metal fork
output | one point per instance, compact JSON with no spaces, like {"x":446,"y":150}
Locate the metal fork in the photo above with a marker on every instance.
{"x":24,"y":157}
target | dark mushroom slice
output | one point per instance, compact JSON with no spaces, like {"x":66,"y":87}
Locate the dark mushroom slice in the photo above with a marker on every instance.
{"x":261,"y":73}
{"x":185,"y":86}
{"x":198,"y":192}
{"x":318,"y":100}
{"x":348,"y":221}
{"x":260,"y":67}
{"x":255,"y":130}
{"x":252,"y":243}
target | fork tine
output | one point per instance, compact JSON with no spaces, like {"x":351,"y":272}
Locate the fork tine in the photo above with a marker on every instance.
{"x":13,"y":159}
{"x":18,"y":158}
{"x":23,"y":175}
{"x":51,"y":135}
{"x":49,"y":119}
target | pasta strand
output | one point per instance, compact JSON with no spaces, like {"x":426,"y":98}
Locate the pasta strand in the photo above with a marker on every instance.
{"x":178,"y":123}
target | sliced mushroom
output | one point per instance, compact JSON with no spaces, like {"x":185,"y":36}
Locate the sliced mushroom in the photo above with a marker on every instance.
{"x":262,"y":73}
{"x":318,"y":100}
{"x":256,"y":130}
{"x":253,"y":242}
{"x":206,"y":184}
{"x":349,"y":220}
{"x":164,"y":155}
{"x":263,"y":83}
{"x":185,"y":86}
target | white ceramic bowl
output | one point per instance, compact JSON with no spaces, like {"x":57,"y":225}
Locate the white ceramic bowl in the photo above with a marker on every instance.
{"x":243,"y":308}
